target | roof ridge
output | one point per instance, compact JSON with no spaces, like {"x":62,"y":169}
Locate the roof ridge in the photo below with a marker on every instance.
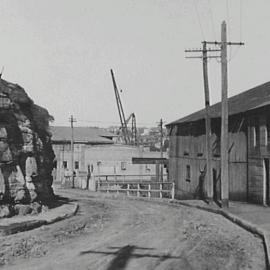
{"x":244,"y":102}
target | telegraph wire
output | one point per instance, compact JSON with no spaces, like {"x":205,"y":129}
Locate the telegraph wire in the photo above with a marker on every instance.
{"x":212,"y":18}
{"x":152,"y":124}
{"x":229,"y":26}
{"x":198,"y":18}
{"x":228,"y":19}
{"x":232,"y":55}
{"x":240,"y":18}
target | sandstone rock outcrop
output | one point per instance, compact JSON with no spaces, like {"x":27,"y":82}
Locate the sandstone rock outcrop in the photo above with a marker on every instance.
{"x":26,"y":155}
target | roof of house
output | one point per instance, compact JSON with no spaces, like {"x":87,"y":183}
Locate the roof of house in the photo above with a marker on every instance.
{"x":89,"y":135}
{"x":254,"y":98}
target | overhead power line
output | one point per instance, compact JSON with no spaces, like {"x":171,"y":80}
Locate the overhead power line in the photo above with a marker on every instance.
{"x":198,"y":18}
{"x":240,"y":19}
{"x":228,"y":26}
{"x":152,"y":124}
{"x":228,"y":19}
{"x":234,"y":52}
{"x":212,"y":18}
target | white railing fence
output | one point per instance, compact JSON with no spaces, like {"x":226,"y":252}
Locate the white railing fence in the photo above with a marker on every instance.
{"x":129,"y":177}
{"x":138,"y":189}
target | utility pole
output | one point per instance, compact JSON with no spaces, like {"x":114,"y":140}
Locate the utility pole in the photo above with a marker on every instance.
{"x":224,"y":120}
{"x":161,"y":137}
{"x":224,"y":114}
{"x":161,"y":148}
{"x":209,"y":172}
{"x":72,"y":120}
{"x":208,"y":148}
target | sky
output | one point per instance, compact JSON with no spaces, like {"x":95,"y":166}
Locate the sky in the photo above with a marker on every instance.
{"x":61,"y":52}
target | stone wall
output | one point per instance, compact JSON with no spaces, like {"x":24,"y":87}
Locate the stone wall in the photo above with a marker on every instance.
{"x":26,"y":155}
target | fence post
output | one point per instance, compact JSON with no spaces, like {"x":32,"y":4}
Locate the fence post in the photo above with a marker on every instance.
{"x":98,"y":185}
{"x":149,"y":190}
{"x":117,"y":189}
{"x":128,"y":189}
{"x":114,"y":172}
{"x":173,"y":190}
{"x":138,"y":190}
{"x":160,"y":188}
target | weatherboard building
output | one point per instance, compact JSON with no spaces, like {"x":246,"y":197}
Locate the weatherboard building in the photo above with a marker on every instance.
{"x":249,"y":149}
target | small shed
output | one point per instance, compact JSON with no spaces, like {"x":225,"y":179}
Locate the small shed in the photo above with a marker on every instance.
{"x":249,"y":149}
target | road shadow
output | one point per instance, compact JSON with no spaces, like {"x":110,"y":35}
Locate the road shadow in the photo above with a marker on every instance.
{"x":125,"y":253}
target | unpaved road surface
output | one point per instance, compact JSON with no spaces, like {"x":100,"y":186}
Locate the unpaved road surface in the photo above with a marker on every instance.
{"x":115,"y":234}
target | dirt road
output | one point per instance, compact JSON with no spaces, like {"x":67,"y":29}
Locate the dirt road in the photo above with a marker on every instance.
{"x":120,"y":234}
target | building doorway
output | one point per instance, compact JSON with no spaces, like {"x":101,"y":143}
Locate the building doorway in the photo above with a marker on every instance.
{"x":266,"y":200}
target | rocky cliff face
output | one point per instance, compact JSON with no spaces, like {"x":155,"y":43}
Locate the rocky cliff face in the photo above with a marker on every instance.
{"x":26,"y":155}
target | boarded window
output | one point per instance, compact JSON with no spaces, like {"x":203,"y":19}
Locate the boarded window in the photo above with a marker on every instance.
{"x":265,"y":135}
{"x":188,"y":173}
{"x":76,"y":165}
{"x":257,"y":128}
{"x":255,"y":132}
{"x":268,"y":131}
{"x":255,"y":135}
{"x":64,"y":164}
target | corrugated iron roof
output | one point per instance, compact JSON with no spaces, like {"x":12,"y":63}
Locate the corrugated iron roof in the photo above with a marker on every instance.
{"x":254,"y":98}
{"x":90,"y":135}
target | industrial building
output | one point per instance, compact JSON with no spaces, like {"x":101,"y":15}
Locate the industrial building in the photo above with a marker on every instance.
{"x":95,"y":150}
{"x":249,"y":149}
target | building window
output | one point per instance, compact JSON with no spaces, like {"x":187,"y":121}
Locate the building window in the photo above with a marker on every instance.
{"x":188,"y":173}
{"x":147,"y":168}
{"x":76,"y":165}
{"x":55,"y":164}
{"x":255,"y":136}
{"x":186,"y":153}
{"x":267,"y":131}
{"x":123,"y":165}
{"x":265,"y":135}
{"x":64,"y":164}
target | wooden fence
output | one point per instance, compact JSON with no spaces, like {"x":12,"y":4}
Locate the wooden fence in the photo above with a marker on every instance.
{"x":138,"y":189}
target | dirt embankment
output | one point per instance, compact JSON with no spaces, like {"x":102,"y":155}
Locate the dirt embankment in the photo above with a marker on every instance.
{"x":123,"y":234}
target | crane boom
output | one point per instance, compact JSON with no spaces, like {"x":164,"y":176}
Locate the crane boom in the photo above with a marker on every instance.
{"x":120,"y":111}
